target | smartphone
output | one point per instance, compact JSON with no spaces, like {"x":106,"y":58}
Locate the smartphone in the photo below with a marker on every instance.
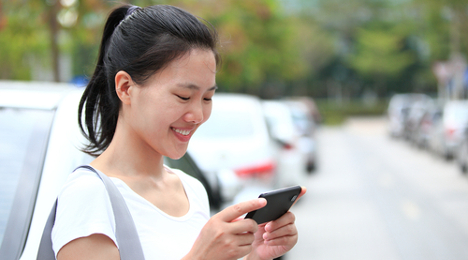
{"x":278,"y":203}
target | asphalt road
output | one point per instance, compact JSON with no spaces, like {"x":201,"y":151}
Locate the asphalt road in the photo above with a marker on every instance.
{"x":374,"y":197}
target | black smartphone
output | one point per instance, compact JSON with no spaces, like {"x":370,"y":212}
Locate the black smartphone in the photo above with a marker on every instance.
{"x":278,"y":203}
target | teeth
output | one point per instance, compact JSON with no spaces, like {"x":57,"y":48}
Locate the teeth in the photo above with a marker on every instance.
{"x":182,"y":132}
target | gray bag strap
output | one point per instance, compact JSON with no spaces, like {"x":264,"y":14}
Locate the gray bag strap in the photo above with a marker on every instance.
{"x":126,"y":233}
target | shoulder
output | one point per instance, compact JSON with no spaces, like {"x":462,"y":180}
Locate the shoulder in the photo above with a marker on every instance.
{"x":84,"y":190}
{"x":83,"y":208}
{"x":83,"y":182}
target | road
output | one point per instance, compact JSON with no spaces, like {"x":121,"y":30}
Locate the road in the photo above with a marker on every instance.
{"x":374,"y":197}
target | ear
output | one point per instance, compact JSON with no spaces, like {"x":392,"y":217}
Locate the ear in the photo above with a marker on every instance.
{"x":123,"y":86}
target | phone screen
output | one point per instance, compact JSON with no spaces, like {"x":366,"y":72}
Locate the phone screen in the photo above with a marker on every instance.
{"x":278,"y":203}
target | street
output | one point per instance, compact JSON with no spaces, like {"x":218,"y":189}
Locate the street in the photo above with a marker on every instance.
{"x":374,"y":197}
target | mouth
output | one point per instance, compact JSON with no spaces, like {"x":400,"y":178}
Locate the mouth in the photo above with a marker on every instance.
{"x":181,"y":131}
{"x":183,"y":135}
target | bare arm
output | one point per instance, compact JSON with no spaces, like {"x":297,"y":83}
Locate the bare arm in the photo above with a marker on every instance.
{"x":93,"y":247}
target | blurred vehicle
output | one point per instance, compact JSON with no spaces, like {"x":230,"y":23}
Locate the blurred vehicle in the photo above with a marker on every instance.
{"x":236,"y":137}
{"x":311,"y":107}
{"x":417,"y":121}
{"x":307,"y":127}
{"x":430,"y":121}
{"x":447,"y":136}
{"x":292,"y":155}
{"x":400,"y":124}
{"x":397,"y":112}
{"x":40,"y":141}
{"x":462,"y":154}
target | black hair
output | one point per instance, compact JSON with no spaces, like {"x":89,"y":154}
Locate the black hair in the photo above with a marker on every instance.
{"x":139,"y":41}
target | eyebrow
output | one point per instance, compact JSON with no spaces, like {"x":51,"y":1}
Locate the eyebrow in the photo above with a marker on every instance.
{"x":194,"y":87}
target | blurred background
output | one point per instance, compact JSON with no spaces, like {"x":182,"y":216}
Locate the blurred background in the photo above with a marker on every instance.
{"x":361,"y":101}
{"x":349,"y":52}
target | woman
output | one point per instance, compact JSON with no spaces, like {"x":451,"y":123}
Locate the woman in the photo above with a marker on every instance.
{"x":150,"y":91}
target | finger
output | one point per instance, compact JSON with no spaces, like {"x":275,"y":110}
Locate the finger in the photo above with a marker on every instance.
{"x":244,"y":226}
{"x":288,"y":241}
{"x":288,"y":230}
{"x":237,"y":219}
{"x":233,"y":212}
{"x":303,"y":191}
{"x":245,"y":239}
{"x":286,"y":219}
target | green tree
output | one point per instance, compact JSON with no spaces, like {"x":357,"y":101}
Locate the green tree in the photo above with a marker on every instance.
{"x":258,"y":42}
{"x":380,"y":55}
{"x":23,"y":38}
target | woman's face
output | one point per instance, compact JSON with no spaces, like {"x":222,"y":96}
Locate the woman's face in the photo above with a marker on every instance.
{"x":173,"y":103}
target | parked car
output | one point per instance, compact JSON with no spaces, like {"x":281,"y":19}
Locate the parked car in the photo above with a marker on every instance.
{"x":292,"y":155}
{"x":236,"y":137}
{"x":462,"y":154}
{"x":416,"y":121}
{"x":398,"y":112}
{"x":40,"y":141}
{"x":307,"y":128}
{"x":448,"y":134}
{"x":312,"y":110}
{"x":430,"y":121}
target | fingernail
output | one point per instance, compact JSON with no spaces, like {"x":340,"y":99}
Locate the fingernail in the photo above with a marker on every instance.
{"x":262,"y":201}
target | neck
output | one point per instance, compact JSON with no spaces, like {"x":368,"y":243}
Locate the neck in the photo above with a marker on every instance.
{"x":128,"y":155}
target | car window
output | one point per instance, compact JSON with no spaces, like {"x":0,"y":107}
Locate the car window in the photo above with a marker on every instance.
{"x":23,"y":140}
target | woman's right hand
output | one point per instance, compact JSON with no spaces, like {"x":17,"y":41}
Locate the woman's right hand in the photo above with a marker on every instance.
{"x":225,"y":236}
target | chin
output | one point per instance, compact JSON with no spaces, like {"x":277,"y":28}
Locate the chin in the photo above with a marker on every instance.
{"x":176,"y":155}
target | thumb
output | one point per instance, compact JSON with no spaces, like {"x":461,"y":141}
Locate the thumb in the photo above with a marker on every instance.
{"x":233,"y":212}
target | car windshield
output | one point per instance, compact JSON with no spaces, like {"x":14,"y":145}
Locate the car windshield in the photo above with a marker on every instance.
{"x":20,"y":132}
{"x":227,"y":124}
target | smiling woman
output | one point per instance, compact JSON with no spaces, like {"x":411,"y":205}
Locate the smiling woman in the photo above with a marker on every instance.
{"x":151,"y":90}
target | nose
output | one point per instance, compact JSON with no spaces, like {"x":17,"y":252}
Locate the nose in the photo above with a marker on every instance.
{"x":195,"y":113}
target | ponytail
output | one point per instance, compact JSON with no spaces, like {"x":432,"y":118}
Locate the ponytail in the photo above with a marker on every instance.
{"x":99,"y":101}
{"x":139,"y":41}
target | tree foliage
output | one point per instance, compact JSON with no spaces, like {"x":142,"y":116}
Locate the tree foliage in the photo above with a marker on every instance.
{"x":269,"y":47}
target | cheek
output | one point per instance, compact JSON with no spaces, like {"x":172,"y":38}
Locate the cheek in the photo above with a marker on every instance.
{"x":207,"y":112}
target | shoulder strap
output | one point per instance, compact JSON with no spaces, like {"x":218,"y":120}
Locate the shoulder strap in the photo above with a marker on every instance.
{"x":126,"y":234}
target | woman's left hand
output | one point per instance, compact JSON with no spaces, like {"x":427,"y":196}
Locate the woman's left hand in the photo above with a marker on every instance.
{"x":275,"y":238}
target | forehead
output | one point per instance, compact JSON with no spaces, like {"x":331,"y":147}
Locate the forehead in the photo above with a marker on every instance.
{"x":195,"y":57}
{"x":197,"y":68}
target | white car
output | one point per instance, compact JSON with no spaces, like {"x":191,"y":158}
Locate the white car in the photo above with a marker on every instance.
{"x":292,"y":157}
{"x":39,"y":143}
{"x":306,"y":127}
{"x":39,"y":148}
{"x":236,"y":137}
{"x":447,"y":136}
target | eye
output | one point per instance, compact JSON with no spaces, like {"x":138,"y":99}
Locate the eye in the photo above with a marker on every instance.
{"x":183,"y":98}
{"x":207,"y":99}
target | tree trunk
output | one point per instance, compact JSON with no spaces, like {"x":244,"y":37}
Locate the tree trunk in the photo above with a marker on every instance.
{"x":54,"y":30}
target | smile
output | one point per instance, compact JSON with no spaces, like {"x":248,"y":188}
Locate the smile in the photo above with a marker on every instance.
{"x":182,"y":132}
